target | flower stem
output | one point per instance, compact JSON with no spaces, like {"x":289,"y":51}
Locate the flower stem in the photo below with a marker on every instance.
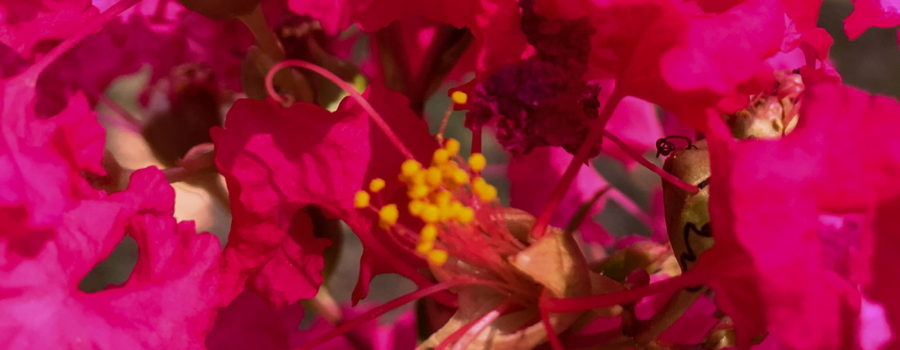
{"x":584,"y":152}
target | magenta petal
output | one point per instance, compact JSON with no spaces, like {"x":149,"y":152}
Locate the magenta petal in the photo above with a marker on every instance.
{"x":767,"y":202}
{"x":250,"y":322}
{"x":169,"y":300}
{"x":278,"y":160}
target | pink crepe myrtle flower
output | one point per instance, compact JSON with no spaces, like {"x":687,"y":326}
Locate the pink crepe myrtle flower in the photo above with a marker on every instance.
{"x":172,"y":287}
{"x":767,"y":201}
{"x":269,"y":171}
{"x":161,"y":37}
{"x":30,"y":27}
{"x":680,"y":56}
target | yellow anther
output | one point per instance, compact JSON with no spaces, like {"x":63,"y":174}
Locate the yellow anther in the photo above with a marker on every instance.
{"x":433,"y":177}
{"x":487,"y":193}
{"x":478,"y":182}
{"x":388,"y":215}
{"x":409,"y":168}
{"x":424,"y":246}
{"x":416,"y":207}
{"x":466,"y":215}
{"x":477,"y":162}
{"x":437,"y":257}
{"x":483,"y":190}
{"x":440,"y":157}
{"x":452,"y":146}
{"x":460,"y":177}
{"x":418,"y":191}
{"x":428,"y":233}
{"x":361,"y":200}
{"x":418,"y":178}
{"x":446,"y":213}
{"x":459,"y":97}
{"x":431,"y":214}
{"x":377,"y":184}
{"x":442,"y":198}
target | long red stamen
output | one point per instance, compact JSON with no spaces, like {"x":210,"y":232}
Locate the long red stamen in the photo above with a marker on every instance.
{"x":672,"y":179}
{"x":349,"y":89}
{"x":89,"y":28}
{"x":555,"y":343}
{"x":384,"y":308}
{"x":559,"y":191}
{"x":468,"y":332}
{"x":691,"y":278}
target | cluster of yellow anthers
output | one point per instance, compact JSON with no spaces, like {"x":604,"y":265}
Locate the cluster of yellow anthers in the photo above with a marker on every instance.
{"x":435,"y":194}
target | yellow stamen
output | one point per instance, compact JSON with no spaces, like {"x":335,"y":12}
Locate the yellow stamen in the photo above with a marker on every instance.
{"x":377,"y":184}
{"x":466,"y":215}
{"x":416,"y":207}
{"x":409,"y":168}
{"x":431,"y":214}
{"x":428,"y":233}
{"x":483,"y":190}
{"x":460,"y":177}
{"x":418,"y":191}
{"x":452,"y":146}
{"x":440,"y":157}
{"x":388,"y":215}
{"x":424,"y":247}
{"x":433,"y":177}
{"x":361,"y":200}
{"x":477,"y":162}
{"x":437,"y":257}
{"x":459,"y":97}
{"x":442,"y":198}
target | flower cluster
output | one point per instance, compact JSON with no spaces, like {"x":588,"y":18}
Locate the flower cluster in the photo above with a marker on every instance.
{"x":305,"y":126}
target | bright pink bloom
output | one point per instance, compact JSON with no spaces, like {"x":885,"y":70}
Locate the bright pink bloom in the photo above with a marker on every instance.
{"x":162,"y":37}
{"x":279,"y":160}
{"x":872,"y":13}
{"x":767,"y":202}
{"x":169,"y":300}
{"x":682,"y":57}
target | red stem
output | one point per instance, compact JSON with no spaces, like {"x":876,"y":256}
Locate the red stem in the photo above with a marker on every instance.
{"x":666,"y":176}
{"x":349,"y":89}
{"x":584,"y":151}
